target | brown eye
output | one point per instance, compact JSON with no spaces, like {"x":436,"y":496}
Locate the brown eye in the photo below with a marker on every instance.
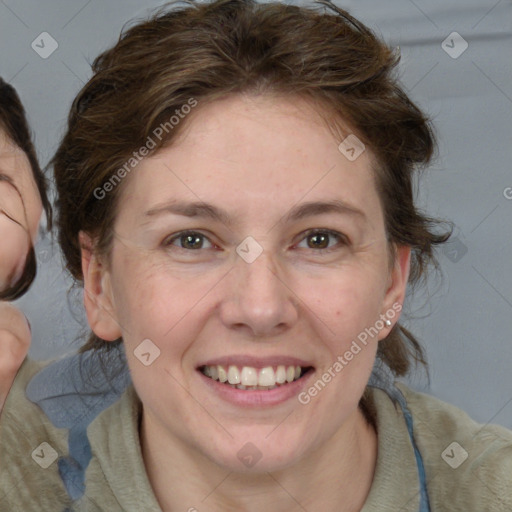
{"x":188,"y":240}
{"x":318,"y":240}
{"x":322,"y":239}
{"x":191,"y":241}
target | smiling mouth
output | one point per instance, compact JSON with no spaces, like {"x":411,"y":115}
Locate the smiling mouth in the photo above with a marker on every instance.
{"x":253,"y":379}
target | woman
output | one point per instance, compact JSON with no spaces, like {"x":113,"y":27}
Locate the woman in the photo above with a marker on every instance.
{"x":22,"y":199}
{"x":235,"y":196}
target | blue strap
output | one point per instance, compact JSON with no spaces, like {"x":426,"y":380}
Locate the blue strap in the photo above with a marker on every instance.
{"x":72,"y":392}
{"x":381,"y":378}
{"x":424,"y":502}
{"x":72,"y":468}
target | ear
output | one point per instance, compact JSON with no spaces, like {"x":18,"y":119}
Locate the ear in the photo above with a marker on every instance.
{"x":395,"y":294}
{"x":98,"y":299}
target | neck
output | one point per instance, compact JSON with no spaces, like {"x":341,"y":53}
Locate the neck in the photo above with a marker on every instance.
{"x":335,"y":476}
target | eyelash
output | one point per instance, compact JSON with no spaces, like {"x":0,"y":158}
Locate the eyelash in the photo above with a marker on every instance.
{"x":342,"y":239}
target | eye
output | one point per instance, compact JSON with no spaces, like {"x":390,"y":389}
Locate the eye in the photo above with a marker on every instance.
{"x":191,"y":240}
{"x":322,"y":239}
{"x":3,"y":212}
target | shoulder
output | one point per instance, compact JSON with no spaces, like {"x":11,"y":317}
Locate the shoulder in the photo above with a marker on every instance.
{"x":467,"y":464}
{"x":29,"y":447}
{"x":119,"y":482}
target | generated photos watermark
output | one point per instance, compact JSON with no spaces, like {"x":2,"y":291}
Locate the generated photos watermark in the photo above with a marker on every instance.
{"x":355,"y":348}
{"x":150,"y":144}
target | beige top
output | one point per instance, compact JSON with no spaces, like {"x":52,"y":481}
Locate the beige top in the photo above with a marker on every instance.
{"x":473,"y":475}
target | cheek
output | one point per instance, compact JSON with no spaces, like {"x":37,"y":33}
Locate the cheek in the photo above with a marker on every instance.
{"x":346,"y":300}
{"x":12,"y":255}
{"x":157,"y":302}
{"x":34,"y":212}
{"x":344,"y":311}
{"x":32,"y":202}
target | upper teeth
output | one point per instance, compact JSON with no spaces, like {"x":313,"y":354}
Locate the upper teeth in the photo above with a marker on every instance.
{"x":250,"y":376}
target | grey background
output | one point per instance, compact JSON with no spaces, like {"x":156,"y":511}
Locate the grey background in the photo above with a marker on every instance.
{"x":464,"y":320}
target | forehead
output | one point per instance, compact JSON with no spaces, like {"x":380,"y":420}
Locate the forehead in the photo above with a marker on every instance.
{"x":9,"y":151}
{"x":263,"y":149}
{"x":6,"y":145}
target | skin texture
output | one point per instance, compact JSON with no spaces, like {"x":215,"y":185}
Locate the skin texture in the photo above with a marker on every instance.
{"x":257,"y":158}
{"x":20,"y":213}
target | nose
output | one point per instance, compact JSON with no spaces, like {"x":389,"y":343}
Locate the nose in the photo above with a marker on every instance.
{"x":257,"y":298}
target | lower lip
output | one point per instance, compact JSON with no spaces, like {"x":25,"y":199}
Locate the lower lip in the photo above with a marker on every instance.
{"x":261,"y":398}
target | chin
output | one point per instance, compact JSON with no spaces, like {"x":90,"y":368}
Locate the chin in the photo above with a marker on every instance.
{"x":256,"y":454}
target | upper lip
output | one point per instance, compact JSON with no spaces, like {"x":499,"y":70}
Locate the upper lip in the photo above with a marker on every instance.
{"x":256,"y":362}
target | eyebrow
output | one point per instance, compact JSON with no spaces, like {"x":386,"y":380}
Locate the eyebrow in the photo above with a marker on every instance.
{"x":312,"y":208}
{"x":206,"y":210}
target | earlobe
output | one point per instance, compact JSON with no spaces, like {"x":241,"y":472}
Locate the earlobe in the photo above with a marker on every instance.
{"x":98,"y":300}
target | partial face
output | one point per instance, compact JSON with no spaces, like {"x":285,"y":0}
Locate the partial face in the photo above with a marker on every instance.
{"x":20,"y":211}
{"x":251,"y":246}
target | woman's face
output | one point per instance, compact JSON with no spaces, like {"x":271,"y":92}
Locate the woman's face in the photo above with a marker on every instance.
{"x":20,"y":211}
{"x":285,"y":264}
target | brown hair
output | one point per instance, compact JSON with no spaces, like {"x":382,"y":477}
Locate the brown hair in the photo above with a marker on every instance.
{"x":13,"y":122}
{"x":208,"y":51}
